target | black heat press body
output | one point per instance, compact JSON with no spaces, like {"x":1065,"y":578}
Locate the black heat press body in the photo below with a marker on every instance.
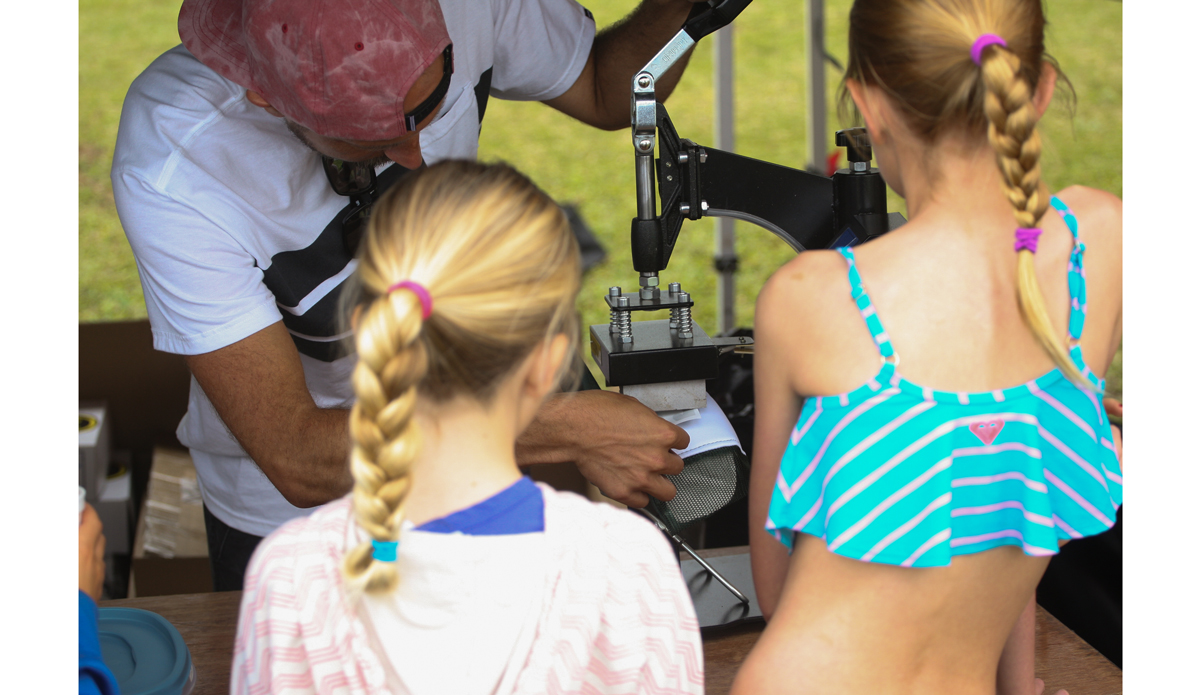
{"x":664,"y":363}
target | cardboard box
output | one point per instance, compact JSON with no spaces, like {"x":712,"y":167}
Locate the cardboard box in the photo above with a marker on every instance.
{"x":170,"y":551}
{"x":115,"y":508}
{"x":93,"y":449}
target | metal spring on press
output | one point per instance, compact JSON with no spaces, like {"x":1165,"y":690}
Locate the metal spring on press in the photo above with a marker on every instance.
{"x":625,"y":326}
{"x":674,"y":289}
{"x":614,"y":316}
{"x":685,"y":317}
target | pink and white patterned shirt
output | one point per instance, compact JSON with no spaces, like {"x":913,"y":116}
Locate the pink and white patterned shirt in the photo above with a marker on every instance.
{"x":606,"y":611}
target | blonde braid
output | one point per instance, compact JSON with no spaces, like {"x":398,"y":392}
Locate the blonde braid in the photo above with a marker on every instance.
{"x":391,"y":363}
{"x":498,"y":257}
{"x":1012,"y":131}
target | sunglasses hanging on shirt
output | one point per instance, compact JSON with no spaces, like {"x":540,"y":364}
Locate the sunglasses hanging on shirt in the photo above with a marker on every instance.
{"x":356,"y":180}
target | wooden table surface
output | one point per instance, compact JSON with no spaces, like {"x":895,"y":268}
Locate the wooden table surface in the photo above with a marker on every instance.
{"x":208,"y":623}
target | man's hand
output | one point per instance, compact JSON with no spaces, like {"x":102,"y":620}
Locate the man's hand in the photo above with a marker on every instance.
{"x":91,"y":554}
{"x":621,"y":446}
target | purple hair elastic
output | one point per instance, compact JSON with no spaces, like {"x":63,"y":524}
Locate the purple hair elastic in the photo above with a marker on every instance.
{"x":421,"y":292}
{"x":983,"y":42}
{"x":1027,"y":238}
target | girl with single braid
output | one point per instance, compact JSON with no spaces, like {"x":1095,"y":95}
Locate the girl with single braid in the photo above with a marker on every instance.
{"x":445,"y":570}
{"x":929,"y":422}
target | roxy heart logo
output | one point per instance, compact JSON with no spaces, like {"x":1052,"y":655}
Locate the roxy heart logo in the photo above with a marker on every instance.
{"x":987,"y":430}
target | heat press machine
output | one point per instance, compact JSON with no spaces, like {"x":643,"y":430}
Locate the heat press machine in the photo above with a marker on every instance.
{"x":664,"y":363}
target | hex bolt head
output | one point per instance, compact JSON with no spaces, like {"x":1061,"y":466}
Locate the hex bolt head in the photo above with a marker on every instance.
{"x":624,"y":339}
{"x":703,"y":157}
{"x":704,"y":205}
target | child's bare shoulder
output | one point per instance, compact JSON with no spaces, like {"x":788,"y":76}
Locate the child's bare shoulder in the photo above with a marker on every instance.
{"x":803,"y":287}
{"x":1098,"y":213}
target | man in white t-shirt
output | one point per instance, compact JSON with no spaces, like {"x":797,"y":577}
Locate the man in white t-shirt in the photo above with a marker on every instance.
{"x":245,"y":161}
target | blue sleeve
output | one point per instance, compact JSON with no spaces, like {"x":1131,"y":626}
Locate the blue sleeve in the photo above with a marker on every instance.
{"x":94,"y":676}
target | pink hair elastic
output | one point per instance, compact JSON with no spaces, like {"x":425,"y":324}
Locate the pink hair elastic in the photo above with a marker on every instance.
{"x":983,"y":42}
{"x":1027,"y":238}
{"x":421,"y":292}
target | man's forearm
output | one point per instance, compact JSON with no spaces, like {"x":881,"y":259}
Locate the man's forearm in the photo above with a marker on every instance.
{"x":314,"y":467}
{"x":257,"y":386}
{"x":623,"y":48}
{"x":552,"y":437}
{"x":305,"y":456}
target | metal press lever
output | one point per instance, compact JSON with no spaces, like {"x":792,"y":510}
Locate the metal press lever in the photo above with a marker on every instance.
{"x":704,"y":19}
{"x":707,"y":567}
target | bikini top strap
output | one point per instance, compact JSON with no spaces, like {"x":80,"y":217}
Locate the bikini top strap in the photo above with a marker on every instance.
{"x":865,"y":307}
{"x":1076,"y":278}
{"x":1077,"y":285}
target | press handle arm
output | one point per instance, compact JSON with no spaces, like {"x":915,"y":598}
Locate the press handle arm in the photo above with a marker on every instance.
{"x":706,"y":18}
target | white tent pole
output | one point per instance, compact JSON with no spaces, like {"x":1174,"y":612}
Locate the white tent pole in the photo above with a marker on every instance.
{"x":725,"y":253}
{"x":815,"y":38}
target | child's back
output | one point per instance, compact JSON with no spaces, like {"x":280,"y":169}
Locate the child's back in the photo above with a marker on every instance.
{"x":928,"y":418}
{"x":591,"y":604}
{"x":446,"y":570}
{"x":878,"y":479}
{"x":947,"y":299}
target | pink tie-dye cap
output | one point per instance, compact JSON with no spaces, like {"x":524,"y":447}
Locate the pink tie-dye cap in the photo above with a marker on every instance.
{"x":340,"y":68}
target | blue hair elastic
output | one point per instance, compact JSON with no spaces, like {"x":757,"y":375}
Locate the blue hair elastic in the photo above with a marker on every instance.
{"x":385,"y":551}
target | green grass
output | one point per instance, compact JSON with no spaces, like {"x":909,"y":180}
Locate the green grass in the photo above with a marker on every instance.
{"x":594,"y":169}
{"x":117,"y":40}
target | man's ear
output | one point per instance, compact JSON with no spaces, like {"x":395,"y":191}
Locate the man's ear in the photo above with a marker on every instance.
{"x":1045,"y":88}
{"x":257,"y":99}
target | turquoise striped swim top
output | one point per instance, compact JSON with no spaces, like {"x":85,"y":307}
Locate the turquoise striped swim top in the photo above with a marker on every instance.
{"x":896,"y":473}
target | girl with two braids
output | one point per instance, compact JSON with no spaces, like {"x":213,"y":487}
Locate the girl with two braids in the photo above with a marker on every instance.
{"x":929,"y":422}
{"x":445,"y":570}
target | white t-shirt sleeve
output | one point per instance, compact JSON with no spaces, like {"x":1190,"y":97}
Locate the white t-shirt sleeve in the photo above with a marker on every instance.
{"x":203,"y":290}
{"x":541,"y":47}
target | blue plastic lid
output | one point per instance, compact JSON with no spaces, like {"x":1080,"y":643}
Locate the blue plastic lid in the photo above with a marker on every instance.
{"x":145,"y":653}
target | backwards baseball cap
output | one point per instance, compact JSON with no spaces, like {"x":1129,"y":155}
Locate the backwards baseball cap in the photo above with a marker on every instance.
{"x":340,"y":68}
